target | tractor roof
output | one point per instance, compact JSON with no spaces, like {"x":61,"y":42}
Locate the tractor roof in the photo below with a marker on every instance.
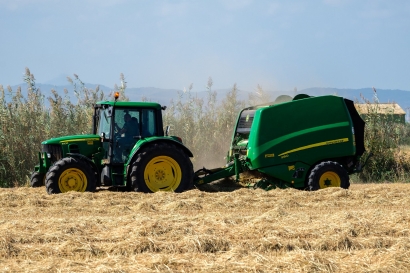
{"x":130,"y":104}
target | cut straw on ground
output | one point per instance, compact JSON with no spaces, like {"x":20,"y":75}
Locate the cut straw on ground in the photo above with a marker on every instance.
{"x":363,"y":229}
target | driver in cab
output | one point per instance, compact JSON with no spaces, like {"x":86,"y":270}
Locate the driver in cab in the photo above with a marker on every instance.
{"x":126,"y":129}
{"x":130,"y":127}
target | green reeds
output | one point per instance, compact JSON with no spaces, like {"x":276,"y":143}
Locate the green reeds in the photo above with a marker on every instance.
{"x":25,"y":122}
{"x":386,"y":139}
{"x":205,"y":126}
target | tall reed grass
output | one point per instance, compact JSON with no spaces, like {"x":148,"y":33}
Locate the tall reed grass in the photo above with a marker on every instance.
{"x":386,"y":139}
{"x":205,"y":125}
{"x":26,"y":121}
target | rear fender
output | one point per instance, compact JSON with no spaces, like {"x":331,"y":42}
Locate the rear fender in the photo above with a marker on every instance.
{"x":151,"y":140}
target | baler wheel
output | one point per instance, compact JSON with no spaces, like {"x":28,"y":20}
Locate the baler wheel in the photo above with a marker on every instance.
{"x":328,"y":174}
{"x":37,"y":179}
{"x":70,"y":174}
{"x":162,"y":167}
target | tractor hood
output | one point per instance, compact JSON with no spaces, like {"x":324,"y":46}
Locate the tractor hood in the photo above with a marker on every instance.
{"x":60,"y":147}
{"x":73,"y":138}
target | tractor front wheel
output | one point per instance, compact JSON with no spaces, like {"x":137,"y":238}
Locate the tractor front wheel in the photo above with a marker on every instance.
{"x":37,"y":179}
{"x":70,"y":174}
{"x":161,"y":167}
{"x":328,"y":174}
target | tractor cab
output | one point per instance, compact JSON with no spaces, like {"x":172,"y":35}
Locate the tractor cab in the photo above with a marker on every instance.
{"x":121,"y":126}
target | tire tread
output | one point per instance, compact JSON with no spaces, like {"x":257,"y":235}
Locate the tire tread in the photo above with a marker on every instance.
{"x":137,"y":167}
{"x":52,"y":175}
{"x":313,"y":183}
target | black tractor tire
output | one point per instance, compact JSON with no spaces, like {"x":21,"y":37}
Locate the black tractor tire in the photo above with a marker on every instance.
{"x":162,"y":167}
{"x":328,"y":174}
{"x":37,"y":179}
{"x":70,"y":174}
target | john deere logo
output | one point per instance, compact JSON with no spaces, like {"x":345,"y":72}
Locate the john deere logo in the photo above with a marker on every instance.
{"x":247,"y":118}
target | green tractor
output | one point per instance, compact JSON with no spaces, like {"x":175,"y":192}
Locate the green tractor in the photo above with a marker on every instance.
{"x":128,"y":149}
{"x":305,"y":142}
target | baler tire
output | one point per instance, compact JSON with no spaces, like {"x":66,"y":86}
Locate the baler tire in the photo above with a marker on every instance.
{"x":328,"y":172}
{"x":162,"y":167}
{"x":70,"y":174}
{"x":37,"y":179}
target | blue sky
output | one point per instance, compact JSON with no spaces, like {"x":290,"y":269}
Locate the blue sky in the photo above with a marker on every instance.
{"x":279,"y":45}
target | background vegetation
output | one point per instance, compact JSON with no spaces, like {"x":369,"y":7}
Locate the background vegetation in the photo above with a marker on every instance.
{"x":28,"y":118}
{"x":388,"y":141}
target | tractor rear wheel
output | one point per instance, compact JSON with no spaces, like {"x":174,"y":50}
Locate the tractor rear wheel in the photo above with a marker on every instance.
{"x":162,"y":167}
{"x":328,"y":174}
{"x":37,"y":179}
{"x":70,"y":174}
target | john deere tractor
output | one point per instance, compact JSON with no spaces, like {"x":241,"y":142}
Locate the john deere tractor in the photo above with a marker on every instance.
{"x":128,"y":148}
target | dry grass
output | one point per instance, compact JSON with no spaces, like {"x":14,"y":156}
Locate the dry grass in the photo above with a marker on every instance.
{"x":364,"y":229}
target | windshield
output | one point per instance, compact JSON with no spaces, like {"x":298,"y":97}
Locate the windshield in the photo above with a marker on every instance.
{"x":104,"y":123}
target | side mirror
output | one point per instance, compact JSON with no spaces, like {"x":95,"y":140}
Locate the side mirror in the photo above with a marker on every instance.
{"x":102,"y":136}
{"x":109,"y":112}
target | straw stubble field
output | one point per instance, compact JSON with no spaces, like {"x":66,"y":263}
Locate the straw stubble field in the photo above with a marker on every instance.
{"x":363,"y":229}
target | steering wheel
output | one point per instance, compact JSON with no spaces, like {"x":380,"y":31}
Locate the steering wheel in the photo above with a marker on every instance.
{"x":117,"y":128}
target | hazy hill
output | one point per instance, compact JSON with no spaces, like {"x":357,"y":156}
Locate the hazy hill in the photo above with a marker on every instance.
{"x":153,"y":94}
{"x":164,"y":96}
{"x":401,"y":97}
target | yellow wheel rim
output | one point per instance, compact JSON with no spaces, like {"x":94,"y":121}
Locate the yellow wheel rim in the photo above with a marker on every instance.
{"x":329,"y":179}
{"x":72,"y":179}
{"x":162,"y":173}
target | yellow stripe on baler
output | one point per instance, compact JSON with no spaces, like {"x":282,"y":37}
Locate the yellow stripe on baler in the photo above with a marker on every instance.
{"x":324,"y":143}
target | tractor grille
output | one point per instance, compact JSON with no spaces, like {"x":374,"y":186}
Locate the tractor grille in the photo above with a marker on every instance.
{"x":54,"y":150}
